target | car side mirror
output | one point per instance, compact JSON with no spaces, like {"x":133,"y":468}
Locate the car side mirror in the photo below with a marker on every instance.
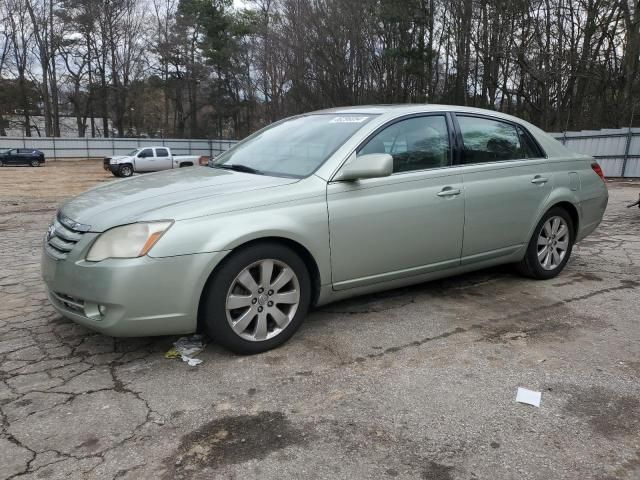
{"x":372,"y":165}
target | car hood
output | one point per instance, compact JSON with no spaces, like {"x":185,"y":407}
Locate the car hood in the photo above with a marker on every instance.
{"x":175,"y":194}
{"x":120,"y":157}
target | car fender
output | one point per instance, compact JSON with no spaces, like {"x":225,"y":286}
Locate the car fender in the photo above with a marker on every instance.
{"x":122,"y":160}
{"x":303,"y":221}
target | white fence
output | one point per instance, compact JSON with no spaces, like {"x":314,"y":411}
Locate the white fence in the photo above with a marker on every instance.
{"x":55,"y":148}
{"x":617,"y":150}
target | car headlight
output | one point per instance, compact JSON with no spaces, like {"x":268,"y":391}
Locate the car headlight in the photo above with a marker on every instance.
{"x":127,"y":241}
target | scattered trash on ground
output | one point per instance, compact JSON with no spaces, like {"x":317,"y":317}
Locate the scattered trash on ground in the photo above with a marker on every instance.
{"x":529,"y":397}
{"x":186,"y":347}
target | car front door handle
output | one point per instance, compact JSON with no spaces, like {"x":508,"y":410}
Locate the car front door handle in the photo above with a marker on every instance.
{"x":449,"y":192}
{"x":539,"y":180}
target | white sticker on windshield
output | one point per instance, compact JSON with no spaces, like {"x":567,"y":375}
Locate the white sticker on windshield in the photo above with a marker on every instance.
{"x":348,"y":119}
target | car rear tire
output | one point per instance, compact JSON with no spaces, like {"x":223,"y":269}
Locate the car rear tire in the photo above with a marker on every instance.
{"x":257,"y":298}
{"x":35,"y":163}
{"x":550,"y":246}
{"x":125,"y":170}
{"x":1,"y":163}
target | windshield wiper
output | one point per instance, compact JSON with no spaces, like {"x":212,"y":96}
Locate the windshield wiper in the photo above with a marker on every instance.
{"x":238,"y":168}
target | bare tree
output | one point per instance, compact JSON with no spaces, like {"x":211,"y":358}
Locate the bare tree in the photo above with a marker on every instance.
{"x":21,"y":37}
{"x":194,"y":67}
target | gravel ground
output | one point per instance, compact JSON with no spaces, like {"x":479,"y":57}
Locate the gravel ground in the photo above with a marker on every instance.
{"x":414,"y":383}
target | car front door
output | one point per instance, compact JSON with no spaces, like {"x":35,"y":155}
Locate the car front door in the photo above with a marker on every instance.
{"x":13,"y":158}
{"x":145,"y":160}
{"x":6,"y":157}
{"x":506,"y":181}
{"x":409,"y":223}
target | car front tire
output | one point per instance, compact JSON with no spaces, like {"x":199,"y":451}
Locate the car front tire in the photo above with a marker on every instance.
{"x":550,"y":246}
{"x":125,"y":170}
{"x":257,"y":298}
{"x":35,"y":163}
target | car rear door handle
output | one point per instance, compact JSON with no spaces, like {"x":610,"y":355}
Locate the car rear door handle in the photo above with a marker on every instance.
{"x":539,"y":180}
{"x":449,"y":192}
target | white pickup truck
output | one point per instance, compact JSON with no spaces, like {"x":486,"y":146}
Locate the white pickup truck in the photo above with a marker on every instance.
{"x":148,"y":159}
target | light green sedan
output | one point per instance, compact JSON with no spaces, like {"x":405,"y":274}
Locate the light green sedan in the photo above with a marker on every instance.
{"x":317,"y":208}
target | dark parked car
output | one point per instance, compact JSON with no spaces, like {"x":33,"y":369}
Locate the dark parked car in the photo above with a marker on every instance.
{"x":21,"y":156}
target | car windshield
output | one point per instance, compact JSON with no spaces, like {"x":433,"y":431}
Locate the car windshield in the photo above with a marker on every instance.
{"x":132,"y":152}
{"x":5,"y":150}
{"x":292,"y":148}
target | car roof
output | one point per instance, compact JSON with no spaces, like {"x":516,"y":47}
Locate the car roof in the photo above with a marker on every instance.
{"x":409,"y":108}
{"x":550,"y":145}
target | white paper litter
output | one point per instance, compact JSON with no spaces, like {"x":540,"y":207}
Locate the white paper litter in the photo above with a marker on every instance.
{"x":192,"y":362}
{"x":187,"y":347}
{"x":529,"y":397}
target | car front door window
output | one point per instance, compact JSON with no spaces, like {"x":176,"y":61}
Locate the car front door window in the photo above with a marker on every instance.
{"x":417,"y":143}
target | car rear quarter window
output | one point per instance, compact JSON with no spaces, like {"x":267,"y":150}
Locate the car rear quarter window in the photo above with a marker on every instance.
{"x":487,"y":140}
{"x":530,"y":148}
{"x":416,"y":143}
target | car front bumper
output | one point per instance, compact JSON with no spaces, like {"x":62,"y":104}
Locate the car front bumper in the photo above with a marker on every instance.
{"x":130,"y":297}
{"x":113,"y":168}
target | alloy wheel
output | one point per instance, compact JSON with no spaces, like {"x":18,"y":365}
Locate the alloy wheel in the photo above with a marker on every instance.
{"x":553,"y":243}
{"x":262,"y":300}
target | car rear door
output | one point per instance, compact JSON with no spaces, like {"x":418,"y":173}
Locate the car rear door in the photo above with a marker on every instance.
{"x":506,"y":182}
{"x":409,"y":223}
{"x":26,"y":155}
{"x":162,"y":159}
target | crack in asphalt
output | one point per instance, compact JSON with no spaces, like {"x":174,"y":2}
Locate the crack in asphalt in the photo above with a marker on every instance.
{"x":624,"y":285}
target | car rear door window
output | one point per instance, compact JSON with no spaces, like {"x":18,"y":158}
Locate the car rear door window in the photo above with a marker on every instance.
{"x":488,"y":140}
{"x":162,"y":152}
{"x":417,"y":143}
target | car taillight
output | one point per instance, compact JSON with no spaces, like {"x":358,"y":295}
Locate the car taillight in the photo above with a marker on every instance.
{"x":596,"y":168}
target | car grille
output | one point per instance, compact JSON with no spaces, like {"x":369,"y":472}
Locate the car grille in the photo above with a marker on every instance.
{"x":62,"y":236}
